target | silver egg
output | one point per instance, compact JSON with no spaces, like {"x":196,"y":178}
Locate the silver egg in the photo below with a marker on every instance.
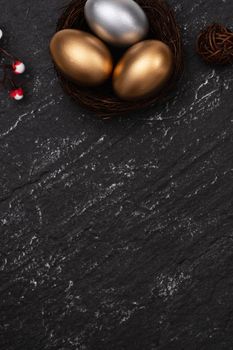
{"x":118,"y":22}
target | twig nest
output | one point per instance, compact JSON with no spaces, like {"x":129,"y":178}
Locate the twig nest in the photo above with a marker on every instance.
{"x":102,"y":99}
{"x":215,"y":44}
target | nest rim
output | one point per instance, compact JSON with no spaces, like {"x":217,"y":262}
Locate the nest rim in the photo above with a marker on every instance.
{"x":103,"y":101}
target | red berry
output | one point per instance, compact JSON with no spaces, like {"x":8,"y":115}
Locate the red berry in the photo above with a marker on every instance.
{"x":17,"y":94}
{"x":18,"y":67}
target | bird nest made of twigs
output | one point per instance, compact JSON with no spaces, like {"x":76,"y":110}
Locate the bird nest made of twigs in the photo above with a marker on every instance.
{"x":102,"y":100}
{"x":215,"y":44}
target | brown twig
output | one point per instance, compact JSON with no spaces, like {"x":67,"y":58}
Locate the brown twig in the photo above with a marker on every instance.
{"x":7,"y":78}
{"x":3,"y":81}
{"x":7,"y":54}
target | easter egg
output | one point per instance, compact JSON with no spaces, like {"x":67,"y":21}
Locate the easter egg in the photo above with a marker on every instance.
{"x":118,"y":22}
{"x":81,"y":57}
{"x":144,"y":69}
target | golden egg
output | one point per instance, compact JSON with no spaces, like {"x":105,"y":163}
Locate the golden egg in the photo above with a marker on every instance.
{"x":144,"y":69}
{"x":81,"y":57}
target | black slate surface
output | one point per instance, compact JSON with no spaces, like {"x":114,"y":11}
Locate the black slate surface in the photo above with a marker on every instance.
{"x":115,"y":235}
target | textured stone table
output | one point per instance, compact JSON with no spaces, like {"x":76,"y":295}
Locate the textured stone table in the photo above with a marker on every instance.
{"x":115,"y":235}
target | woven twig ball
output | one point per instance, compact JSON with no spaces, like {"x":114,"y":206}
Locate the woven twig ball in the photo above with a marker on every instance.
{"x":215,"y":44}
{"x":102,"y":100}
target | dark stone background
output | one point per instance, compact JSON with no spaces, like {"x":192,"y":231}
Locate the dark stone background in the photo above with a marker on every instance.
{"x":115,"y":235}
